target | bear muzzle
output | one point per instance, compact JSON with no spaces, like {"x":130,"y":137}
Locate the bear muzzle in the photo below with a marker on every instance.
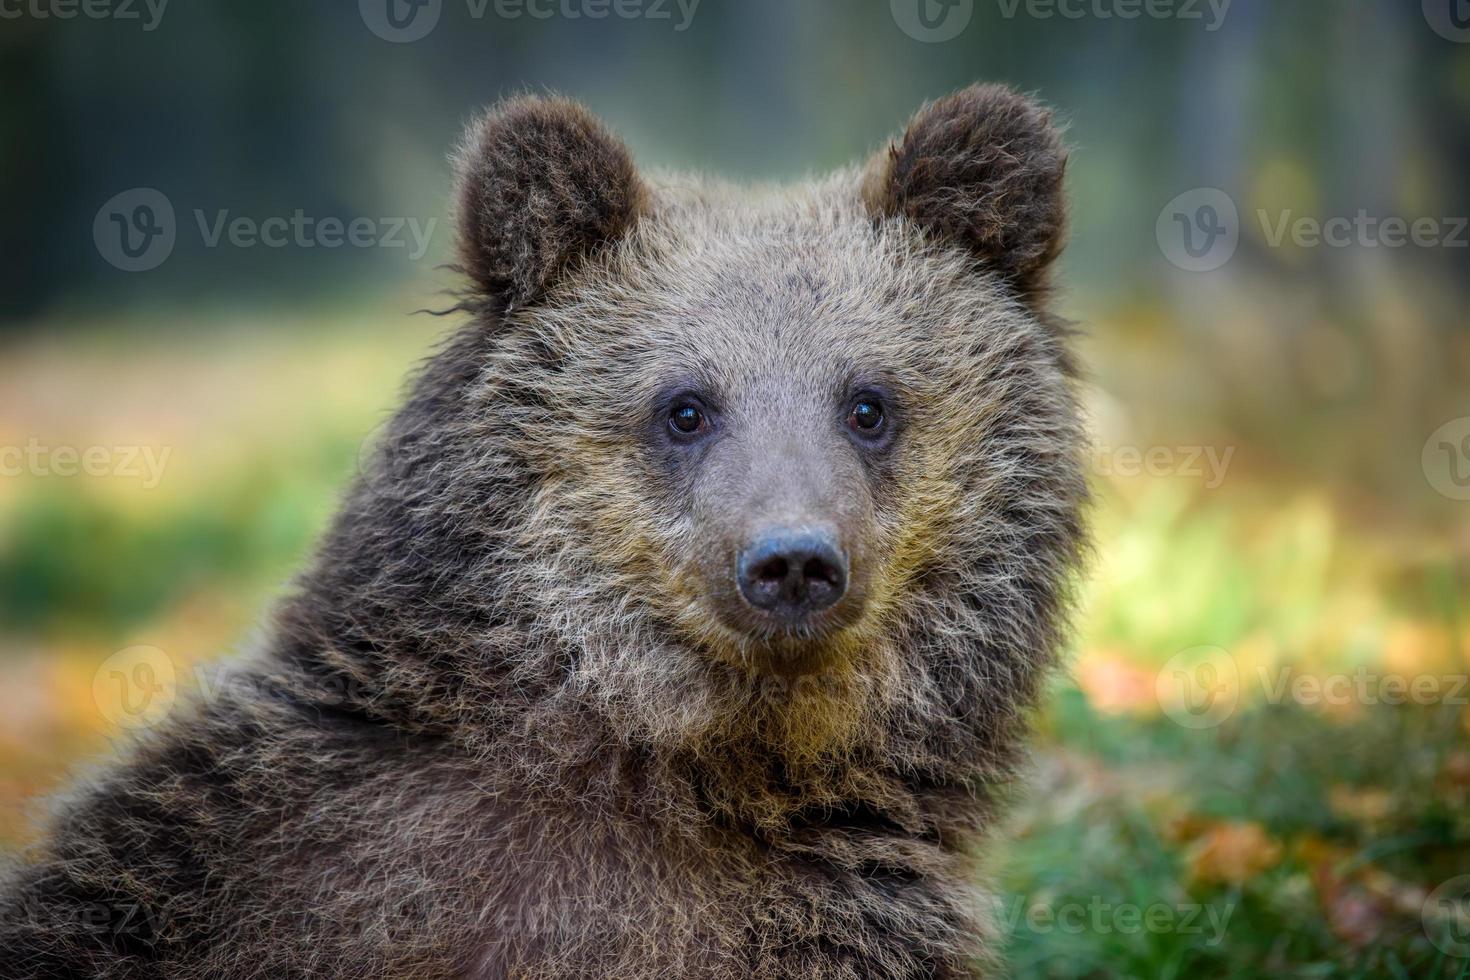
{"x":792,"y":573}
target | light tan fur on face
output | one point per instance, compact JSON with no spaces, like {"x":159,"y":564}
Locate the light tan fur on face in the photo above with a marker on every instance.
{"x":689,"y":292}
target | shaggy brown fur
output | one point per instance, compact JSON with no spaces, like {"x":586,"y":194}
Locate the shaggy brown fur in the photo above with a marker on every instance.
{"x":541,"y":182}
{"x":499,"y":728}
{"x":984,"y":167}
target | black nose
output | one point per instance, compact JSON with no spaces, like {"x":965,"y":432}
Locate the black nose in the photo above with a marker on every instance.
{"x":792,"y":573}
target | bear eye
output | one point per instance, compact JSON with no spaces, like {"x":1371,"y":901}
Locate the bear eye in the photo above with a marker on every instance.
{"x":686,"y":419}
{"x":866,"y":417}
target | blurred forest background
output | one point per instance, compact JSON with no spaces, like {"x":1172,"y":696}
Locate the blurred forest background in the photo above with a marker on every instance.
{"x":1283,"y":430}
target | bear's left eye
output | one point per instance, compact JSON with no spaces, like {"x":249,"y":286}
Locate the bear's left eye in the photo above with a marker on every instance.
{"x":866,"y":417}
{"x":686,"y":419}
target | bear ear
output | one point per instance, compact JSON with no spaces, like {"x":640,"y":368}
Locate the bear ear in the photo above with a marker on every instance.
{"x":983,"y":168}
{"x":541,"y":182}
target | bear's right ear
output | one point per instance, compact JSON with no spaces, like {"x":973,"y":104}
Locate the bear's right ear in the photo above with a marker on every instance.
{"x":541,"y":182}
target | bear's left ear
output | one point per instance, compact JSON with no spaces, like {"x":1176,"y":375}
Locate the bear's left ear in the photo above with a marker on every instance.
{"x":542,"y":183}
{"x":982,"y":168}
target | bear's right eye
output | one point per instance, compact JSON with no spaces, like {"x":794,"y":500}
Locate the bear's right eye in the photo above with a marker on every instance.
{"x":686,"y":419}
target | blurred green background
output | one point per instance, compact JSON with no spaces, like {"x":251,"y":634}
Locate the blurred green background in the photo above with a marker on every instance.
{"x":1282,"y":420}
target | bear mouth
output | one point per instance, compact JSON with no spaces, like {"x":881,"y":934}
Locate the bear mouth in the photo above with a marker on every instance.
{"x":773,"y":643}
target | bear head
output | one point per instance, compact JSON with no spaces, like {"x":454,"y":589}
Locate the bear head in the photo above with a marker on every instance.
{"x":791,"y":468}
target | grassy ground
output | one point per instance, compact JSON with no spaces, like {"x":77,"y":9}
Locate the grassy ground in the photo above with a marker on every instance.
{"x":1226,"y":782}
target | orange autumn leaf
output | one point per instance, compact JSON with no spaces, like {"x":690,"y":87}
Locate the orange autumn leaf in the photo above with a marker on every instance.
{"x":1456,"y":771}
{"x":1358,"y":900}
{"x":1113,"y":685}
{"x":1185,"y":827}
{"x":1233,"y":852}
{"x":1362,"y":805}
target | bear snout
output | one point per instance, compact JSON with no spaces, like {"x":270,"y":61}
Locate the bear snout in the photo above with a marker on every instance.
{"x":792,"y":573}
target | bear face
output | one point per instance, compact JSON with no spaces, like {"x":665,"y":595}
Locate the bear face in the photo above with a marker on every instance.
{"x":793,"y":461}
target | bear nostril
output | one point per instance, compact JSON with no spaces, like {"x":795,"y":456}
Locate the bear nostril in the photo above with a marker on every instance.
{"x":774,"y":570}
{"x":818,"y":570}
{"x":792,"y":573}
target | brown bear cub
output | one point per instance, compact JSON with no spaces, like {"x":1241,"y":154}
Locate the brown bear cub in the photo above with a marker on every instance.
{"x":686,"y":621}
